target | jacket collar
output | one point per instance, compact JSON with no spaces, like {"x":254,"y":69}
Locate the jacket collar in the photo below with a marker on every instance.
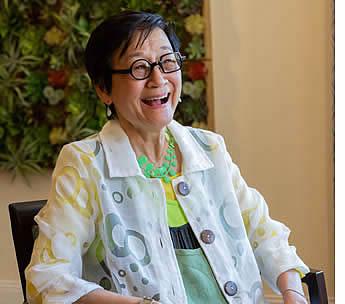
{"x":121,"y":159}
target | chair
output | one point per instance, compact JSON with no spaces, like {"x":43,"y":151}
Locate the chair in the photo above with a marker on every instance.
{"x":315,"y":281}
{"x":24,"y":232}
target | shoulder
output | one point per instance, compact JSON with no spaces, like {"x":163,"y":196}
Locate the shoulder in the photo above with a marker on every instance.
{"x":203,"y":132}
{"x":78,"y":154}
{"x":207,"y":139}
{"x":89,"y":145}
{"x":211,"y":142}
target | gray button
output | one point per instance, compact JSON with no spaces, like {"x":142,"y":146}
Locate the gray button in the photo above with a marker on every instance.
{"x":230,"y":288}
{"x":207,"y":236}
{"x":183,"y":188}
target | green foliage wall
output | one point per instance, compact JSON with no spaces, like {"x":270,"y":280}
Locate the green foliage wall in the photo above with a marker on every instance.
{"x":46,"y":97}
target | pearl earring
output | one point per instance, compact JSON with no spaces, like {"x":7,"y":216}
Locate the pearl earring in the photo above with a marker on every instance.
{"x":108,"y":112}
{"x":179,"y":100}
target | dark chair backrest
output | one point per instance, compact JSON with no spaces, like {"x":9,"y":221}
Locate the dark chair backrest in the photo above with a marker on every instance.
{"x":23,"y":232}
{"x":315,"y":280}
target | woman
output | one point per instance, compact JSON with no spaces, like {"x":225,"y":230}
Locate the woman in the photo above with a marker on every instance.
{"x":147,"y":210}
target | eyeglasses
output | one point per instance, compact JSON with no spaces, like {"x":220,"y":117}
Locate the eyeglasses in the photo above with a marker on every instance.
{"x":141,"y":69}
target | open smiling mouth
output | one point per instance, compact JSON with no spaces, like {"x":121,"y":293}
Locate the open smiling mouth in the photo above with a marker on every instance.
{"x":156,"y":102}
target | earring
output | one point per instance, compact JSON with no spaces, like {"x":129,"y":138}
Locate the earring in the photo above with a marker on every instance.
{"x":179,"y":100}
{"x":108,"y":112}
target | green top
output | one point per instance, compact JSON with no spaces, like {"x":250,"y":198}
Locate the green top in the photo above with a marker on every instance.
{"x":176,"y":216}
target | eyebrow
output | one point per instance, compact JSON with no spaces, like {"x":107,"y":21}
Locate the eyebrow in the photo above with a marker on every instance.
{"x":140,"y":53}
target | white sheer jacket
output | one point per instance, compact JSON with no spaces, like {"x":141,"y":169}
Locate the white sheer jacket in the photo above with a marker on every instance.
{"x":105,"y":224}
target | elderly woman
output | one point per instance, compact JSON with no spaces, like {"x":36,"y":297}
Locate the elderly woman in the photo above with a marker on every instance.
{"x":147,"y":210}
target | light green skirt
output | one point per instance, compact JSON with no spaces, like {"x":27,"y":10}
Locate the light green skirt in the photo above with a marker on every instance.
{"x":199,"y":282}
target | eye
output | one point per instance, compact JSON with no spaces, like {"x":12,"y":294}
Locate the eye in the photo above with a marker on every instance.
{"x":141,"y":67}
{"x":169,"y":61}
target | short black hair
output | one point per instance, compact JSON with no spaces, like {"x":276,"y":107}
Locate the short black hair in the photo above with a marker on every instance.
{"x":115,"y":33}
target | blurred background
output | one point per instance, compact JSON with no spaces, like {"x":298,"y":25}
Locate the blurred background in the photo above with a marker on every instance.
{"x":259,"y":73}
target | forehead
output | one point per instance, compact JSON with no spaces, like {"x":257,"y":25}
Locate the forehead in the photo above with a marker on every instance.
{"x":155,"y":43}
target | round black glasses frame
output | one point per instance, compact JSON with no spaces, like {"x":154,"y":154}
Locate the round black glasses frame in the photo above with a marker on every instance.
{"x":152,"y":65}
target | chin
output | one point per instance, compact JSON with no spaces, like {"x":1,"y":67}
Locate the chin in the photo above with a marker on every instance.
{"x":160,"y":123}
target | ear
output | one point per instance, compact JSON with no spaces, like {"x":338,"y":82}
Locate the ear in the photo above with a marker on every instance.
{"x":103,"y":95}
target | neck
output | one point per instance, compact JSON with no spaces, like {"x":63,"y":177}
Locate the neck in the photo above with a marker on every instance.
{"x":150,"y":143}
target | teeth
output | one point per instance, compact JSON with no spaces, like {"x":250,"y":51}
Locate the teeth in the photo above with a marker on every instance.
{"x":158,"y":97}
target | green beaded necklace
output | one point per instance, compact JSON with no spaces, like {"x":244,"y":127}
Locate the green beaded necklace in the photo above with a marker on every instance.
{"x":168,"y":167}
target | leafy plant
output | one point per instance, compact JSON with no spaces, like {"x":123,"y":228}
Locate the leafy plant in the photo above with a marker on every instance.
{"x":21,"y":160}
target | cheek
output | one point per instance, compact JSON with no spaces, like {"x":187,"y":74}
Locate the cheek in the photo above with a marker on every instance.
{"x":177,"y":83}
{"x":127,"y":90}
{"x":180,"y":82}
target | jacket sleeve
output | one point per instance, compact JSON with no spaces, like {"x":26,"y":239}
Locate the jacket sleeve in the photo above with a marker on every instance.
{"x":66,"y":230}
{"x":268,"y":238}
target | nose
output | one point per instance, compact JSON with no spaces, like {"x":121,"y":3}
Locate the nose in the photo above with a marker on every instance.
{"x":156,"y":78}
